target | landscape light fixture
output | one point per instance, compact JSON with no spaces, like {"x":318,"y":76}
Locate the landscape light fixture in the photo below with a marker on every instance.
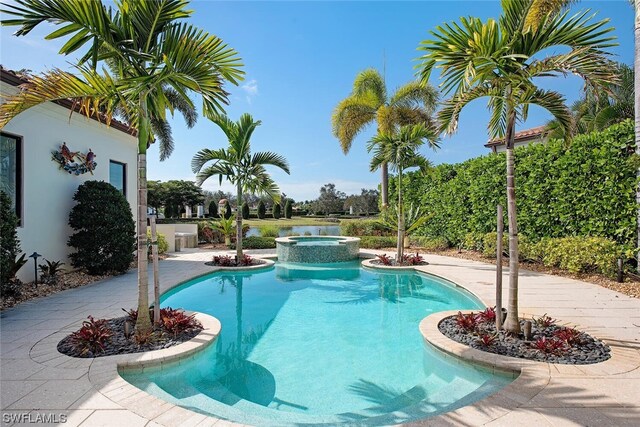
{"x":35,"y":256}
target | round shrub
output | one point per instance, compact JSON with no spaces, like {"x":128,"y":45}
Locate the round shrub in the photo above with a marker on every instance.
{"x":104,"y":236}
{"x":262,"y":210}
{"x":245,"y":210}
{"x":276,"y":211}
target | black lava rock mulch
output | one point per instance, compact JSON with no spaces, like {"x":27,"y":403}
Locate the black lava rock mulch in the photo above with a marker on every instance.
{"x":586,"y":350}
{"x":120,"y":344}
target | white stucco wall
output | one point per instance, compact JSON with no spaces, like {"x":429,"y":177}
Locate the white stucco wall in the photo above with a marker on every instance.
{"x":47,"y":191}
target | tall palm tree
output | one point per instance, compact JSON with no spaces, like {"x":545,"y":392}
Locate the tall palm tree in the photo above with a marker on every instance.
{"x":157,"y":58}
{"x":400,"y":150}
{"x":369,"y":102}
{"x":499,"y":60}
{"x":597,"y":111}
{"x":238,"y":166}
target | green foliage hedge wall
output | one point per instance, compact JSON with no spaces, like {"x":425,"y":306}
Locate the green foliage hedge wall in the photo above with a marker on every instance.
{"x":584,"y":189}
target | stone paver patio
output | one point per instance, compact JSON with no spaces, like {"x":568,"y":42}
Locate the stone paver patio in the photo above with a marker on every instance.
{"x":38,"y":381}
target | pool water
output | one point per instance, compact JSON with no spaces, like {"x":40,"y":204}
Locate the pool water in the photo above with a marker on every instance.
{"x":319,"y":343}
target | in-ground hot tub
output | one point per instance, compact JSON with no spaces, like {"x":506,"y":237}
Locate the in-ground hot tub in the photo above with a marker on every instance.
{"x":314,"y":249}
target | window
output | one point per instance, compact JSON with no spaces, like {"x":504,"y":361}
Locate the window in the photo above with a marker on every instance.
{"x":118,"y":176}
{"x":11,"y":170}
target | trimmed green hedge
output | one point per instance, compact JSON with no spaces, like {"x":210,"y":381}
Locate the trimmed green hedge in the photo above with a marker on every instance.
{"x":575,"y":254}
{"x":256,"y":242}
{"x":585,"y":189}
{"x":377,"y":242}
{"x":364,"y":227}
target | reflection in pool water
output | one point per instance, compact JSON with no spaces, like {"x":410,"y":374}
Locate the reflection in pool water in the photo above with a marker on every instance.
{"x":319,"y":344}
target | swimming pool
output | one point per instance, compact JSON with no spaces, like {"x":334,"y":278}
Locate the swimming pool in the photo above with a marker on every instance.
{"x":330,"y":343}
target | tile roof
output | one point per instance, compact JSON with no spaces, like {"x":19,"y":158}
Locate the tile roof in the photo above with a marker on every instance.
{"x":16,"y":79}
{"x":526,"y":134}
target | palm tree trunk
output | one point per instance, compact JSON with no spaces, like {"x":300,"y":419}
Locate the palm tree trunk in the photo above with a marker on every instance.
{"x":143,"y":323}
{"x":384,"y":185}
{"x":400,"y":244}
{"x":636,"y":81}
{"x":512,"y":323}
{"x":239,"y":224}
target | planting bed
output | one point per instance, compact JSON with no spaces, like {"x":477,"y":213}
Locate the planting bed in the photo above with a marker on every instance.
{"x":106,"y":337}
{"x":549,"y":342}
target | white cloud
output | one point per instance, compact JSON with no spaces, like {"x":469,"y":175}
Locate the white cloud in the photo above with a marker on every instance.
{"x":251,"y":89}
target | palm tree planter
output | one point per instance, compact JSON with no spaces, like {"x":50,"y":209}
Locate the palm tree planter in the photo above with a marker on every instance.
{"x":239,"y":166}
{"x":499,"y":60}
{"x":400,"y":150}
{"x":155,"y":61}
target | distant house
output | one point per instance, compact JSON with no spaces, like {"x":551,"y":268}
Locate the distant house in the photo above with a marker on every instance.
{"x":525,"y":137}
{"x":41,"y":188}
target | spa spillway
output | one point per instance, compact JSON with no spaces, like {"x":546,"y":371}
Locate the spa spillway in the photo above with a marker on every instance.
{"x":314,"y":249}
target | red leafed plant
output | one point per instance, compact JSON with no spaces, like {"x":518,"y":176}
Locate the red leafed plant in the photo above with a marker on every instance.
{"x":487,"y":316}
{"x":245,"y":260}
{"x":544,"y":321}
{"x":132,"y":314}
{"x":176,"y":321}
{"x":568,"y":335}
{"x":92,"y":336}
{"x":412,"y":259}
{"x":550,"y":345}
{"x":222,"y":260}
{"x":467,"y":322}
{"x":487,"y":340}
{"x":384,"y":259}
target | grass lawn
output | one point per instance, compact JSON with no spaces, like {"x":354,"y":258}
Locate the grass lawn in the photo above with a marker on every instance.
{"x":282,"y":222}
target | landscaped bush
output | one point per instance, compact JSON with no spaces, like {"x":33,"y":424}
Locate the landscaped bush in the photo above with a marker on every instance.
{"x":262,"y":210}
{"x":163,"y":246}
{"x":575,"y":254}
{"x":431,"y":244}
{"x":586,"y":188}
{"x":490,"y":243}
{"x":276,"y":211}
{"x":256,"y":242}
{"x":9,"y":247}
{"x":104,"y":236}
{"x":227,"y":210}
{"x":288,"y":209}
{"x":473,"y":241}
{"x":245,"y":211}
{"x":364,"y":227}
{"x":268,"y":231}
{"x":377,"y":242}
{"x":213,"y":209}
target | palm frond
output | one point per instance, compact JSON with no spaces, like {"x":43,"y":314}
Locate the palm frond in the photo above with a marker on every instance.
{"x":94,"y":95}
{"x":350,"y":117}
{"x":270,"y":158}
{"x":370,"y":82}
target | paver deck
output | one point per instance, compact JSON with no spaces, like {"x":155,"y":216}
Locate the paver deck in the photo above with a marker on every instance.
{"x":39,"y":384}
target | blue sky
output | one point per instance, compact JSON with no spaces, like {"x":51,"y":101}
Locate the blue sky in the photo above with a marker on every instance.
{"x":301,"y":59}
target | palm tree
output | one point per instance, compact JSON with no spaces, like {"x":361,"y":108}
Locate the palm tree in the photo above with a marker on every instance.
{"x":368,"y":102}
{"x":158,"y":60}
{"x":499,"y":60}
{"x":597,"y":111}
{"x":238,"y":166}
{"x":400,"y":150}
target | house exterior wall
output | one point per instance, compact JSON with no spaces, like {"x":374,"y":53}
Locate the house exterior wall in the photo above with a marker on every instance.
{"x":47,"y":190}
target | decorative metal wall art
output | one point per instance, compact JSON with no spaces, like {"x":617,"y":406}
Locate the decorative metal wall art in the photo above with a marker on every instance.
{"x":74,"y":162}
